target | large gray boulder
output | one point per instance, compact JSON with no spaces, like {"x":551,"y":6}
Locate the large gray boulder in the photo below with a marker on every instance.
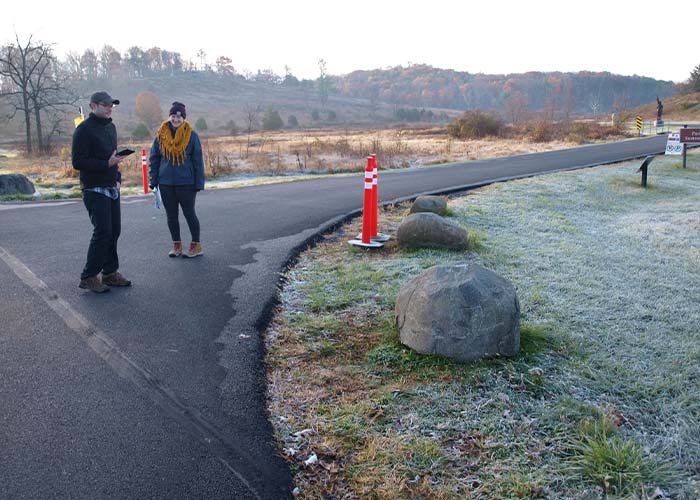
{"x":429,"y":230}
{"x":428,"y":203}
{"x":462,"y":311}
{"x":15,"y":184}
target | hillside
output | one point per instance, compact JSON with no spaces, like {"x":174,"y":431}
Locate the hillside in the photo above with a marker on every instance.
{"x":677,"y":109}
{"x":367,"y":97}
{"x":221,"y":99}
{"x":584,"y":93}
{"x":359,"y":99}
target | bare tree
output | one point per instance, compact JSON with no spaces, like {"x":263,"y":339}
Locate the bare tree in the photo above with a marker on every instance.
{"x":136,"y":61}
{"x":252,"y":113}
{"x":49,"y":91}
{"x":155,"y":59}
{"x":89,"y":64}
{"x":515,"y":106}
{"x":172,"y":61}
{"x":18,"y":64}
{"x":202,"y":58}
{"x":31,"y":84}
{"x":73,"y":66}
{"x":324,"y":83}
{"x":110,"y":61}
{"x":595,"y":101}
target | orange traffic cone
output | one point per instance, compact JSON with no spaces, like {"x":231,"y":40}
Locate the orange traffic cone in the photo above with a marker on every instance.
{"x":368,"y":210}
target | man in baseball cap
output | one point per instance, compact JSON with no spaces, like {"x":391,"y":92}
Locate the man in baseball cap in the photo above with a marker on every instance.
{"x":103,"y":98}
{"x":94,"y":154}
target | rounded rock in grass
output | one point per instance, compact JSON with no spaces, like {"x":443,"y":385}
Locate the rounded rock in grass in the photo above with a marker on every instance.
{"x":15,"y":184}
{"x":462,"y":311}
{"x":429,"y":230}
{"x":428,"y":203}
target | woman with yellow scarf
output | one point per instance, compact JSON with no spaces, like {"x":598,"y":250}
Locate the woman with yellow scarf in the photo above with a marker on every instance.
{"x":176,"y":168}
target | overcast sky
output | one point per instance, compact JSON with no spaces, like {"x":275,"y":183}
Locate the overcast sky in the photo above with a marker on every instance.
{"x":654,"y":39}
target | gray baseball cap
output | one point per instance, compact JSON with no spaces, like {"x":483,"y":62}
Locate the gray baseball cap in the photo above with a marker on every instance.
{"x":103,"y":97}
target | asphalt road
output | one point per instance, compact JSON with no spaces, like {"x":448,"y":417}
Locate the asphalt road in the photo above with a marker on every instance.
{"x":158,"y":391}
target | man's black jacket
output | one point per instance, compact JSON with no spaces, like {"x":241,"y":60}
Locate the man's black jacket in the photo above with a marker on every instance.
{"x":94,"y":141}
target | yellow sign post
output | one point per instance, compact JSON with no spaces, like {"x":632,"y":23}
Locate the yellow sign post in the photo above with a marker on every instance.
{"x":79,"y":119}
{"x":639,"y":124}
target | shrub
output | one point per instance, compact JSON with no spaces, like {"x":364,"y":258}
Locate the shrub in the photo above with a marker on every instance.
{"x":408,"y":115}
{"x":292,"y":121}
{"x":231,"y":127}
{"x":542,"y":131}
{"x":475,"y":125}
{"x":272,"y":120}
{"x":141,"y":132}
{"x":201,"y":125}
{"x":315,"y":114}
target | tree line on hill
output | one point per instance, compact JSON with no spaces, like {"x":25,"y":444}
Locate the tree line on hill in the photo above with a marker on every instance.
{"x":583,"y":93}
{"x":38,"y":86}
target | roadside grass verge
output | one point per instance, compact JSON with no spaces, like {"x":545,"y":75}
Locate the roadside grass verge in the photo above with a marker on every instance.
{"x":601,"y":402}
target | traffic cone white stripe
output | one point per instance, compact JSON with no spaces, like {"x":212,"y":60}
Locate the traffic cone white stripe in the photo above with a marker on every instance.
{"x":376,"y":235}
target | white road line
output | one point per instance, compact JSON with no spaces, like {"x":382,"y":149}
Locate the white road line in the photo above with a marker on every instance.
{"x":126,"y":368}
{"x":126,"y":200}
{"x":34,"y":205}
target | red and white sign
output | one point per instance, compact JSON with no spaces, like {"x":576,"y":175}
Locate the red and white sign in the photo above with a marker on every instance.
{"x":673,"y":145}
{"x":690,"y":135}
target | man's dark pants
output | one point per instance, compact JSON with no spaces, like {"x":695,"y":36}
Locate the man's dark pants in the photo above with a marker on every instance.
{"x":105,"y":215}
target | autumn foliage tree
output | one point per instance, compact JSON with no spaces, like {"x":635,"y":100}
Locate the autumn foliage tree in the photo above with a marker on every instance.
{"x":147,"y":108}
{"x":224,"y":66}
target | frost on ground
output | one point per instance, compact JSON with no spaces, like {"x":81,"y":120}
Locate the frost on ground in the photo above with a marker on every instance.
{"x":617,"y":267}
{"x":602,"y":400}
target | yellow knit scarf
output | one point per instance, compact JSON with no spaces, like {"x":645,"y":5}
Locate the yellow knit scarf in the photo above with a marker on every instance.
{"x":173,"y":148}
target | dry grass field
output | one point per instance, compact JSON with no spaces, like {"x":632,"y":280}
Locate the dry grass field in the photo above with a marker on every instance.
{"x":285,"y":153}
{"x":269,"y":156}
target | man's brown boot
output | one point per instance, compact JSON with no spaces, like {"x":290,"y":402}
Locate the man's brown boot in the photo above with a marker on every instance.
{"x":195,"y":250}
{"x":115,"y":279}
{"x":177,"y":249}
{"x":93,"y":284}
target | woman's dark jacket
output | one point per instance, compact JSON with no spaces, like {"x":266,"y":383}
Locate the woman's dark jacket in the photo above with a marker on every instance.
{"x":189,"y":172}
{"x":94,"y":141}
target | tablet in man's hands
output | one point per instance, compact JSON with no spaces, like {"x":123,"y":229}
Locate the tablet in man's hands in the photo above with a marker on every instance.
{"x":125,"y":152}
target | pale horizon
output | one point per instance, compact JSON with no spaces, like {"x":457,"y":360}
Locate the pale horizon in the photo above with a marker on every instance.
{"x":625,"y":38}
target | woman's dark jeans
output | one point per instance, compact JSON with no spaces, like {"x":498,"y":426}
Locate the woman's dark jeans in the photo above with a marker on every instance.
{"x":183,"y":196}
{"x":105,"y":215}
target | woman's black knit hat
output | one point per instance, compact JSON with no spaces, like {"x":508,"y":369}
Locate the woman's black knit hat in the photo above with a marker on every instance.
{"x":178,"y":109}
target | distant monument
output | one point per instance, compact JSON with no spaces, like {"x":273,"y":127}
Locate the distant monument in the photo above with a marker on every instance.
{"x":659,"y":112}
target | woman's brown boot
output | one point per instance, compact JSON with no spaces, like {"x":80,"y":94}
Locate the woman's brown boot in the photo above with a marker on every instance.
{"x":177,"y":249}
{"x":195,"y":250}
